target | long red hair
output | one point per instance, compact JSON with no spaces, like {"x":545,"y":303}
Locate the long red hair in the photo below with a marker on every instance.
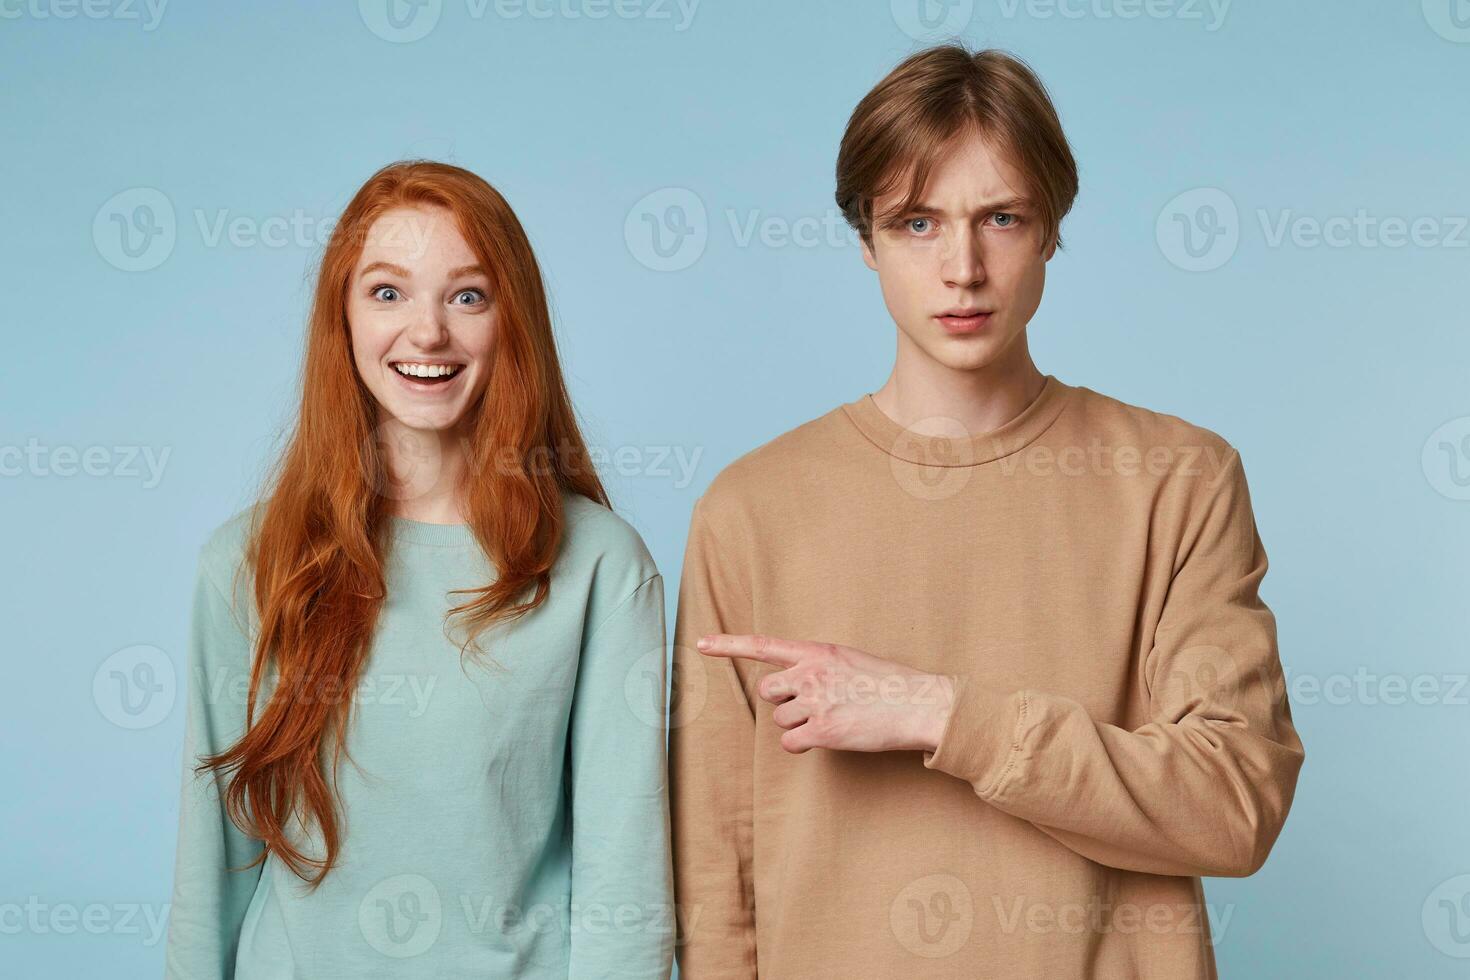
{"x":316,"y":543}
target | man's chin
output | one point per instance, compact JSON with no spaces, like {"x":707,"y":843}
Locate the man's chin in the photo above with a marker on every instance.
{"x":963,"y":355}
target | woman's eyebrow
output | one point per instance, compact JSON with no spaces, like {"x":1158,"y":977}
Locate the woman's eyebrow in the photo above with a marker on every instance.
{"x":389,"y":267}
{"x":402,"y":273}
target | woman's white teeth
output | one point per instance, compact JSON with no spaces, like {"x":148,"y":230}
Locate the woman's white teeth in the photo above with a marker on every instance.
{"x":426,"y":370}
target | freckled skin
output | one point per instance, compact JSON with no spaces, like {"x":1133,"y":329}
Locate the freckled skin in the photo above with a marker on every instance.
{"x":428,"y":315}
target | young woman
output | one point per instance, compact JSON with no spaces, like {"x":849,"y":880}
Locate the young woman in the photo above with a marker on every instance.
{"x":426,"y":670}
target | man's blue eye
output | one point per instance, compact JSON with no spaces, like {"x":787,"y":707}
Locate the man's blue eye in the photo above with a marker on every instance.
{"x":1010,"y":219}
{"x":917,"y":221}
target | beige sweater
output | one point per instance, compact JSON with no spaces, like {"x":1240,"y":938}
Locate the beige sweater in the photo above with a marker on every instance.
{"x":1090,"y":571}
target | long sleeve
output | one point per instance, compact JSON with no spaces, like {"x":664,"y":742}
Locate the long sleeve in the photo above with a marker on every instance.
{"x":1204,"y":787}
{"x":209,"y":901}
{"x":711,"y":746}
{"x":622,"y":889}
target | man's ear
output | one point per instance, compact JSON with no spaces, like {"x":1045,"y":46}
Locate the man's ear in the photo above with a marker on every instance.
{"x":1051,"y":248}
{"x":868,"y":258}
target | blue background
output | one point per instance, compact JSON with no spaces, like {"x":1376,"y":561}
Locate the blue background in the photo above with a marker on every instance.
{"x":1339,"y":370}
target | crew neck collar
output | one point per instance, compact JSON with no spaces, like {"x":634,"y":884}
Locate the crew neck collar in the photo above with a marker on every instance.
{"x":423,"y":532}
{"x":961,"y":448}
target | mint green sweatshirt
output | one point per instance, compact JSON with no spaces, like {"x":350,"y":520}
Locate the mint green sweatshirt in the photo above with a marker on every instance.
{"x":507,"y":819}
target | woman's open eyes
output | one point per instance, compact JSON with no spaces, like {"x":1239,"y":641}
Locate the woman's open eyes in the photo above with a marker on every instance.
{"x":390,"y":294}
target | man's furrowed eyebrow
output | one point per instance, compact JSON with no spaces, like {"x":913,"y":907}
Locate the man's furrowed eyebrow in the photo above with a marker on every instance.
{"x":1006,"y":204}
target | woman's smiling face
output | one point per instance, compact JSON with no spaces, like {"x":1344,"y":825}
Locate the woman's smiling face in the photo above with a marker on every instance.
{"x":421,"y":319}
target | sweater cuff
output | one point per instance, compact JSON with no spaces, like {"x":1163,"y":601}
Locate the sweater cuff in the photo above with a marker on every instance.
{"x":981,"y":741}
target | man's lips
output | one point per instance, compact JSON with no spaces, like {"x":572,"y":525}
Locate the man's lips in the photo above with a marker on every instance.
{"x":964,"y":319}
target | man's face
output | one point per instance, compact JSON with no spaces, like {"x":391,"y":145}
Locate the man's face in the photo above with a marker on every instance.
{"x":961,"y":273}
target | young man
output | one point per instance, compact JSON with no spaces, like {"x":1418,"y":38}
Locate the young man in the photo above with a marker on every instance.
{"x":971,"y":674}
